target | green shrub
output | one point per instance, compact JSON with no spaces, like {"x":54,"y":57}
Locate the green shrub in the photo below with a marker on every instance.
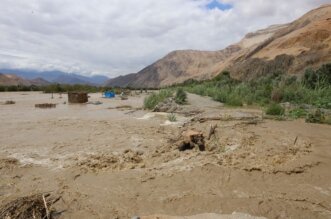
{"x":313,"y":89}
{"x":277,"y":95}
{"x":155,"y":98}
{"x":275,"y":110}
{"x":298,"y":113}
{"x":181,"y":96}
{"x":224,"y":75}
{"x":234,"y":100}
{"x":172,"y":117}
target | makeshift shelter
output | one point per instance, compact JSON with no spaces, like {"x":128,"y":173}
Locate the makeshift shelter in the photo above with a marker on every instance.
{"x":77,"y":97}
{"x":109,"y":94}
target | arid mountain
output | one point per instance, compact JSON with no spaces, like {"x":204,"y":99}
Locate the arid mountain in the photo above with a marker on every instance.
{"x":39,"y":82}
{"x":289,"y":48}
{"x":58,"y":77}
{"x":11,"y":79}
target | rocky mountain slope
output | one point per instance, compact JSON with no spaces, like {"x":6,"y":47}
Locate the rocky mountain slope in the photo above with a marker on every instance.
{"x":288,"y":48}
{"x":11,"y":79}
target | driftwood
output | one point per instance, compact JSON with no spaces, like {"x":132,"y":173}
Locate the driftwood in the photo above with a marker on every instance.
{"x":37,"y":206}
{"x":219,"y":118}
{"x":45,"y":105}
{"x":212,"y":131}
{"x":295,"y":140}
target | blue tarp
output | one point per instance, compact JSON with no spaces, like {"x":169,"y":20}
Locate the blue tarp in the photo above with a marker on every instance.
{"x":109,"y":94}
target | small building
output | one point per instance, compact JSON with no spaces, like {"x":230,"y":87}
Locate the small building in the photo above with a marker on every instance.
{"x":77,"y":97}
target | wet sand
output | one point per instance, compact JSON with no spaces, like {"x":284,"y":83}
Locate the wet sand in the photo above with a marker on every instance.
{"x":116,"y":160}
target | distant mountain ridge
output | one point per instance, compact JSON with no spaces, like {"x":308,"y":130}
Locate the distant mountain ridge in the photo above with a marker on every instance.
{"x":58,"y":77}
{"x":14,"y":80}
{"x":290,"y":48}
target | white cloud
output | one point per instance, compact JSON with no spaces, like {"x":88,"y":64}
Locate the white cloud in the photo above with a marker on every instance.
{"x":123,"y":36}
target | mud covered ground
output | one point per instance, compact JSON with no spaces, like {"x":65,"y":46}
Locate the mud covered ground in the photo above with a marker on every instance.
{"x":115,"y":160}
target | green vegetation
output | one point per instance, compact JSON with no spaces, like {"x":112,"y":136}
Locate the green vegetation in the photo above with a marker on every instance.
{"x":297,"y":113}
{"x":275,"y":109}
{"x":61,"y":88}
{"x":13,"y":88}
{"x":181,"y":96}
{"x":267,"y":91}
{"x":172,"y":117}
{"x":155,"y":98}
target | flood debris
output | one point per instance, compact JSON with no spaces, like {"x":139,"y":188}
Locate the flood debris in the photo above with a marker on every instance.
{"x":9,"y":102}
{"x":8,"y":163}
{"x":95,"y":102}
{"x":124,"y":97}
{"x":212,"y":131}
{"x":249,"y":118}
{"x":317,"y":117}
{"x":38,"y":206}
{"x":167,"y":106}
{"x":77,"y":97}
{"x":129,"y":159}
{"x":192,"y":139}
{"x":45,"y":105}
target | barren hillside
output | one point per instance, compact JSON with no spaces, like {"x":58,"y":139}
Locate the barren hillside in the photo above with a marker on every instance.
{"x":11,"y":79}
{"x":289,"y":48}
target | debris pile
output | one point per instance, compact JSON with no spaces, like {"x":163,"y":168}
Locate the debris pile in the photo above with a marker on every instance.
{"x":8,"y":163}
{"x":317,"y":117}
{"x":45,"y":105}
{"x":9,"y":102}
{"x":37,"y":206}
{"x":123,"y":97}
{"x":167,"y":106}
{"x":95,"y":102}
{"x":127,"y":160}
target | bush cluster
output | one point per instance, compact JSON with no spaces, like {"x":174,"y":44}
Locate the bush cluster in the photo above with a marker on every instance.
{"x":155,"y":98}
{"x":181,"y":96}
{"x":314,"y":89}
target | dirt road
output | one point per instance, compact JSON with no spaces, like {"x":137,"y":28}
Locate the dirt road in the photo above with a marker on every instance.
{"x":115,"y":160}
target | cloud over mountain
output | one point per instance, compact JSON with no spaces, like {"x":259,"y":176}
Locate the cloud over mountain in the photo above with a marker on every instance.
{"x":120,"y":37}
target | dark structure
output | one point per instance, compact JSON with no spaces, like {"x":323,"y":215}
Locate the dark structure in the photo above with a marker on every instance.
{"x":45,"y":105}
{"x":77,"y":97}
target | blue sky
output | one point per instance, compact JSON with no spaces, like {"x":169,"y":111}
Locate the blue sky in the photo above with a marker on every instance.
{"x":219,"y":5}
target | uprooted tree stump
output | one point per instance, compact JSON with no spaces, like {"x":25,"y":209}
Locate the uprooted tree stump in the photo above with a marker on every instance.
{"x":192,"y":139}
{"x":37,"y":206}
